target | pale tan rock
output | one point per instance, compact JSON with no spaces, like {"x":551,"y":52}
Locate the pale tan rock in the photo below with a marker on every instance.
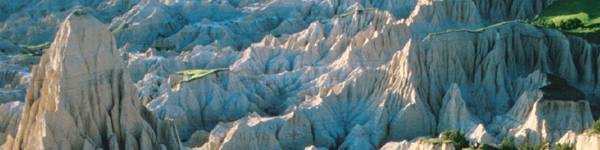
{"x":455,"y":115}
{"x":81,"y":96}
{"x":581,"y":141}
{"x":549,"y":120}
{"x":417,"y":145}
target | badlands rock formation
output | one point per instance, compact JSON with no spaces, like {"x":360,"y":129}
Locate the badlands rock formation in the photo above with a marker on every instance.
{"x":81,"y":97}
{"x":331,"y":74}
{"x":14,"y":77}
{"x":416,"y":145}
{"x":10,"y":114}
{"x":582,"y":141}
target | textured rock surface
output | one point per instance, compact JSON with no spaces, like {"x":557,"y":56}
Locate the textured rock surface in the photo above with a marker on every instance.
{"x":81,"y":97}
{"x":581,"y":141}
{"x":454,"y":115}
{"x":10,"y":113}
{"x":416,"y":146}
{"x":549,"y":120}
{"x":14,"y":77}
{"x":311,"y":76}
{"x":331,"y":74}
{"x":486,"y":75}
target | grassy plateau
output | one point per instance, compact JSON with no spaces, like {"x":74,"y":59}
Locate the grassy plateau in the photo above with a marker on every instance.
{"x":574,"y":17}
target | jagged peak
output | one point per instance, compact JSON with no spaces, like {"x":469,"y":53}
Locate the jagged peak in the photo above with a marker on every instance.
{"x":440,"y":13}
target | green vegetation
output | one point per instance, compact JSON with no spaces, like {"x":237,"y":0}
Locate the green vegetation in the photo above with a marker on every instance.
{"x":595,"y":128}
{"x":358,"y":11}
{"x":455,"y":137}
{"x":34,"y":49}
{"x":539,"y":146}
{"x":38,"y":46}
{"x":575,"y":17}
{"x":458,"y":139}
{"x":564,"y":147}
{"x":194,"y":74}
{"x":475,"y":30}
{"x":507,"y":144}
{"x":79,"y":12}
{"x":481,"y":147}
{"x":119,"y":28}
{"x":434,"y":141}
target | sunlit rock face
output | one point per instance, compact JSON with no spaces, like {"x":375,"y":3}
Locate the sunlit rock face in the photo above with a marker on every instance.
{"x":81,"y":97}
{"x":416,"y":145}
{"x":329,"y":77}
{"x":311,"y":74}
{"x":182,"y":24}
{"x":581,"y":141}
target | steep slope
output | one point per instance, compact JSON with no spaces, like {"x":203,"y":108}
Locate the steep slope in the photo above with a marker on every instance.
{"x":454,"y":115}
{"x":14,"y":77}
{"x":10,"y":114}
{"x":475,"y":60}
{"x":81,"y":97}
{"x":581,"y":141}
{"x":335,"y":74}
{"x":132,"y":28}
{"x":32,"y":22}
{"x":279,"y":74}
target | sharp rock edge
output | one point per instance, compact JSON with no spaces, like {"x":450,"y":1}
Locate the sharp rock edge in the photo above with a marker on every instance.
{"x":81,"y":97}
{"x":364,"y":81}
{"x":405,"y":92}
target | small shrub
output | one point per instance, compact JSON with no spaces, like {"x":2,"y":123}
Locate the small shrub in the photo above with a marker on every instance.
{"x":571,"y":23}
{"x":541,"y":146}
{"x":79,"y":12}
{"x":507,"y":144}
{"x":595,"y":127}
{"x":458,"y":139}
{"x":564,"y":147}
{"x":482,"y":147}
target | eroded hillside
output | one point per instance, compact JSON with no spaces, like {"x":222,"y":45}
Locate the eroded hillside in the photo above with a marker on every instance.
{"x":333,"y":74}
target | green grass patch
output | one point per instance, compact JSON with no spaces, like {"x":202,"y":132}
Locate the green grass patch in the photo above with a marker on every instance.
{"x":478,"y":30}
{"x":34,"y":49}
{"x":454,"y":137}
{"x":119,"y":28}
{"x":507,"y":144}
{"x":575,"y":17}
{"x":595,"y":128}
{"x":564,"y":147}
{"x":434,"y":141}
{"x":38,"y":46}
{"x":194,"y":74}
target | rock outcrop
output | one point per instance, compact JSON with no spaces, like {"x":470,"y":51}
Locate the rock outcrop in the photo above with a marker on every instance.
{"x":546,"y":114}
{"x":455,"y":115}
{"x":368,"y":59}
{"x":132,"y":28}
{"x":81,"y":97}
{"x":413,"y":95}
{"x":589,"y":141}
{"x":330,"y":74}
{"x":10,"y":114}
{"x":417,"y":145}
{"x":14,"y":76}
